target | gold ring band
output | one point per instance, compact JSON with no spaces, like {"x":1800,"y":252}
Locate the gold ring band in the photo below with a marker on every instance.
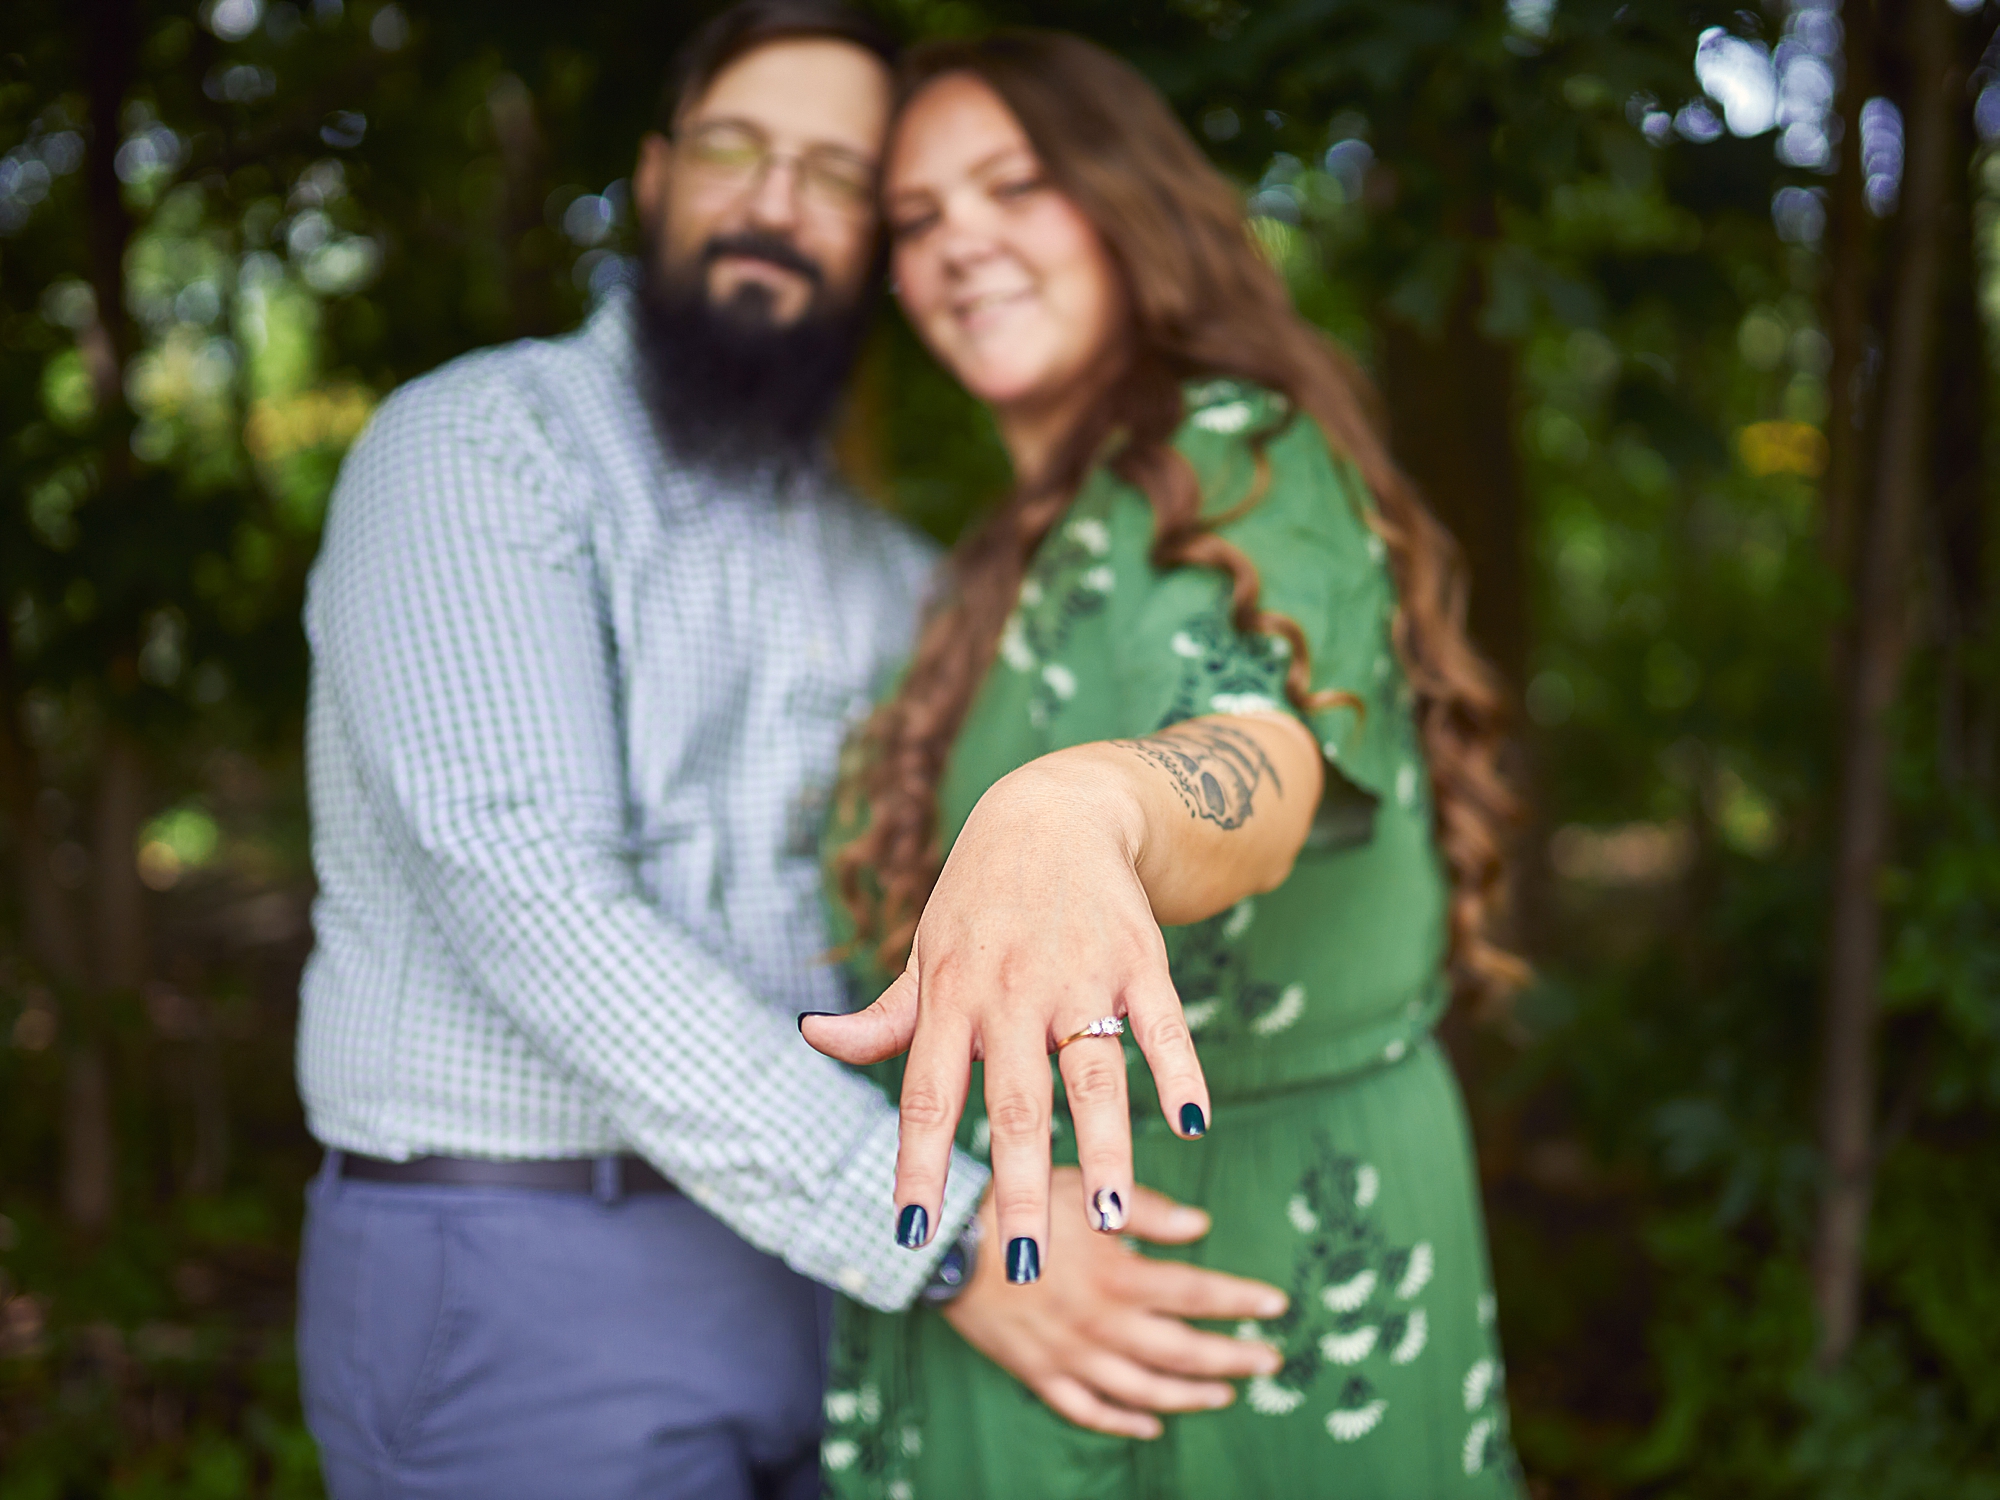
{"x":1103,"y":1026}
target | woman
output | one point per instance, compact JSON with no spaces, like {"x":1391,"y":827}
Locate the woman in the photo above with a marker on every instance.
{"x":1203,"y":672}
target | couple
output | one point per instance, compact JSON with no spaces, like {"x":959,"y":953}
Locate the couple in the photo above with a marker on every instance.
{"x":1186,"y":780}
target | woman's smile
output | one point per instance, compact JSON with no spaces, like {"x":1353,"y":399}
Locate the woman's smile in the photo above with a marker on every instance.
{"x":987,"y":311}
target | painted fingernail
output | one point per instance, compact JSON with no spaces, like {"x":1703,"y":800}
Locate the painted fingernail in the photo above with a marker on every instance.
{"x":807,"y":1015}
{"x":1024,"y":1261}
{"x":1193,"y":1124}
{"x":1107,"y":1211}
{"x":913,"y":1227}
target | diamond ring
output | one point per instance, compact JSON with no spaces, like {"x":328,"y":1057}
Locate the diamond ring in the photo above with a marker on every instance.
{"x":1103,"y":1026}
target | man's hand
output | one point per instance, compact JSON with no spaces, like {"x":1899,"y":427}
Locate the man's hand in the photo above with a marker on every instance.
{"x":1101,"y":1337}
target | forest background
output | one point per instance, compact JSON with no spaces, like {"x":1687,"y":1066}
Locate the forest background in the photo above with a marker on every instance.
{"x":1684,"y":317}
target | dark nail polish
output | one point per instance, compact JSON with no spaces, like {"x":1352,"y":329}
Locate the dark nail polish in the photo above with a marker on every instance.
{"x":807,"y":1015}
{"x":1107,"y":1211}
{"x":913,"y":1227}
{"x":1024,"y":1261}
{"x":1193,"y":1125}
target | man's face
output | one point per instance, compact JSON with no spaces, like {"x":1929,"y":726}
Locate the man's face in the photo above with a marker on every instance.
{"x":766,"y":194}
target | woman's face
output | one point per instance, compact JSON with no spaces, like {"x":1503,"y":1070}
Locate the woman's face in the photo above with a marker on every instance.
{"x":1002,"y":275}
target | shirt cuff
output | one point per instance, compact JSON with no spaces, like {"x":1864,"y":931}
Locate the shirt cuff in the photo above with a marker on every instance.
{"x":854,"y":1245}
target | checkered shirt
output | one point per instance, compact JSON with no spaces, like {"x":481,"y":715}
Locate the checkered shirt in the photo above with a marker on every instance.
{"x":575,"y":712}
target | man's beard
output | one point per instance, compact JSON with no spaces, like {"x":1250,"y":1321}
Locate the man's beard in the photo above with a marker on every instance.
{"x":735,"y":393}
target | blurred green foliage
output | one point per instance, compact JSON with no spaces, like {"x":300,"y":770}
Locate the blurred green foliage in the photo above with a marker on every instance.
{"x":312,"y":202}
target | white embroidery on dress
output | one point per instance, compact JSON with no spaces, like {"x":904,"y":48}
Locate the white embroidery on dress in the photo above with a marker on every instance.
{"x":1478,"y":1381}
{"x":1061,"y":681}
{"x":1241,"y":703}
{"x":1346,"y":1426}
{"x":1367,"y":1183}
{"x":1347,"y":1295}
{"x":1091,"y":534}
{"x":1416,"y":1333}
{"x":838,"y":1453}
{"x":1350,"y":1348}
{"x":1418,"y":1275}
{"x":1475,"y":1445}
{"x":1291,"y":1005}
{"x":1269,"y":1399}
{"x":1241,"y":915}
{"x":1014,"y":647}
{"x":1233,"y":417}
{"x":1100,"y":578}
{"x":1303,"y":1219}
{"x":1200,"y":1013}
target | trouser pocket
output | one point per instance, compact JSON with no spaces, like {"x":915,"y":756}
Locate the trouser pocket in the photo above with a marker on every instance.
{"x":372,"y":1317}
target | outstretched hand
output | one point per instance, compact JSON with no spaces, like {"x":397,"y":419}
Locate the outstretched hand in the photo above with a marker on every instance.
{"x":1102,"y":1338}
{"x":1039,"y":925}
{"x":1045,"y":919}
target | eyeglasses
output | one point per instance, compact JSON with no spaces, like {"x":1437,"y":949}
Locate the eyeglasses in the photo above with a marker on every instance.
{"x":736,"y":157}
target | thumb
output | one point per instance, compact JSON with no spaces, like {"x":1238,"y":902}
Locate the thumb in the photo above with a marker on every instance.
{"x":882,"y":1030}
{"x":1159,"y":1220}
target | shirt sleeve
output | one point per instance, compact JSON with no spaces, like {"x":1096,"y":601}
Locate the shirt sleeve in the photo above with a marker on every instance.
{"x":459,"y":630}
{"x":1301,"y":517}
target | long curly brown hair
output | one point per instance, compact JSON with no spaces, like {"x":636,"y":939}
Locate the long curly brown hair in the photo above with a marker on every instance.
{"x":1203,"y":302}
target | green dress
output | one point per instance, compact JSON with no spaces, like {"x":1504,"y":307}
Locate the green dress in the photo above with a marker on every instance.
{"x":1338,"y":1163}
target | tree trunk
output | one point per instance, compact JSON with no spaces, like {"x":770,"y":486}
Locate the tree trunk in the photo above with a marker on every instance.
{"x":117,"y":958}
{"x":1848,"y":242}
{"x":88,"y":1177}
{"x":208,"y":1163}
{"x":1873,"y":673}
{"x":1452,"y":422}
{"x":119,"y":908}
{"x":53,"y":942}
{"x":1451,"y":415}
{"x":523,"y":159}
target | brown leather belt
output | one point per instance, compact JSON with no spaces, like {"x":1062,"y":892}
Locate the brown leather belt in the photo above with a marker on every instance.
{"x":607,"y":1177}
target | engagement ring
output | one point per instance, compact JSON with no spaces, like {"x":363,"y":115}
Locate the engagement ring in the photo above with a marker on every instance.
{"x":1105,"y":1026}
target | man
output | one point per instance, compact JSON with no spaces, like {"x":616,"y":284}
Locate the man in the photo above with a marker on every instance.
{"x":589,"y":626}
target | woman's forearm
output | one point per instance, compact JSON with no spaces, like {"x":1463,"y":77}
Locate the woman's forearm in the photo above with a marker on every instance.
{"x":1209,"y":810}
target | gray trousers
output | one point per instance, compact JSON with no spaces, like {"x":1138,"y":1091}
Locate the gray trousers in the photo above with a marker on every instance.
{"x":505,"y":1344}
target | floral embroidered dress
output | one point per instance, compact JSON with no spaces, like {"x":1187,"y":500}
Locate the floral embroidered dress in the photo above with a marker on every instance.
{"x":1338,"y":1163}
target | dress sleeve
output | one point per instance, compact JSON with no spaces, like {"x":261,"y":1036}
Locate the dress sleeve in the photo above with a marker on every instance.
{"x":1300,"y":516}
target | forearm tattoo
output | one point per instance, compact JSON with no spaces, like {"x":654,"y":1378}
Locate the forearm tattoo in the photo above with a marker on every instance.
{"x":1215,"y":769}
